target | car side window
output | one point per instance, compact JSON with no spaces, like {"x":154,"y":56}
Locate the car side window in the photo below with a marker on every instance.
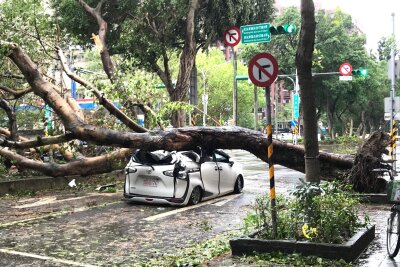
{"x":220,"y":158}
{"x":207,"y":158}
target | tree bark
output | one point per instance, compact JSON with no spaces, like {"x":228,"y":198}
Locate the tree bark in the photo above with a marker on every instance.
{"x":330,"y":108}
{"x":186,"y":64}
{"x":188,"y":138}
{"x":364,"y":125}
{"x":304,"y":64}
{"x":95,"y":165}
{"x":351,"y":127}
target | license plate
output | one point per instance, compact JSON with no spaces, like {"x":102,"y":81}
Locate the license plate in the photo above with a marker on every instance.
{"x":150,"y":182}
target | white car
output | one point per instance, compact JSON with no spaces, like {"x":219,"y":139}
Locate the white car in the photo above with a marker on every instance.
{"x":181,"y":178}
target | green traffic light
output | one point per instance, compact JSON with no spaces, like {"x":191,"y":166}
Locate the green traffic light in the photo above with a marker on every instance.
{"x":360,"y":72}
{"x":289,"y":28}
{"x":282,"y":29}
{"x":363,"y":72}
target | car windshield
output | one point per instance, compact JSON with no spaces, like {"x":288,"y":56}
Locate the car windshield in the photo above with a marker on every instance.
{"x":158,"y":157}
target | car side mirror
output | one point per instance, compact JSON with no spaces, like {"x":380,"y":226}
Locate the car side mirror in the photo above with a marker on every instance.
{"x":231,"y":163}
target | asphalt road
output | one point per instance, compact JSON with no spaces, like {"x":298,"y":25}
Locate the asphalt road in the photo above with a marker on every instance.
{"x":101,"y":230}
{"x":81,"y":229}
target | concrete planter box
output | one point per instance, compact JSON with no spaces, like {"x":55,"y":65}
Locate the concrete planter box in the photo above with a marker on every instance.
{"x":348,"y":251}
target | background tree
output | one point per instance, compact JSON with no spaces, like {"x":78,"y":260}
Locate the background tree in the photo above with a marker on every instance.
{"x":153,"y":31}
{"x":215,"y":73}
{"x":385,"y":45}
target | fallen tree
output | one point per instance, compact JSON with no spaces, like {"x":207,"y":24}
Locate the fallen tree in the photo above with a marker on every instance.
{"x":288,"y":155}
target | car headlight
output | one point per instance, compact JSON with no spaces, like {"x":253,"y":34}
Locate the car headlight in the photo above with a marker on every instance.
{"x":181,"y":174}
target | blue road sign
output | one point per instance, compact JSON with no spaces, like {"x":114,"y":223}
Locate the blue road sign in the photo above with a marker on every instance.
{"x":296,"y":105}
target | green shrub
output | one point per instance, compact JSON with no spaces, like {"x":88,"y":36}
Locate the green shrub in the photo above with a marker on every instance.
{"x":325,"y":212}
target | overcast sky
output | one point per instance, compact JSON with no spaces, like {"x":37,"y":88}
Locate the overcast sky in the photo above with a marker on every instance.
{"x":372,"y":17}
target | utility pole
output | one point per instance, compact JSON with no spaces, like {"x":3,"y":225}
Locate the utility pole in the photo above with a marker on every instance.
{"x":392,"y":97}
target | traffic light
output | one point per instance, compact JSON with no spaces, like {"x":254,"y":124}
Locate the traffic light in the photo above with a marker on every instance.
{"x":282,"y":29}
{"x":360,"y":72}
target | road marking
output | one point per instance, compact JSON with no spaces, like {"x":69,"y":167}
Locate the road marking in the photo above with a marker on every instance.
{"x":52,"y":200}
{"x":225,"y":200}
{"x":215,"y":202}
{"x":54,"y":214}
{"x":40,"y":257}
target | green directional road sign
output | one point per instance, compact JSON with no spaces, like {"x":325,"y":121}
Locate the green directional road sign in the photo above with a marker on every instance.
{"x":255,"y":33}
{"x":296,"y":105}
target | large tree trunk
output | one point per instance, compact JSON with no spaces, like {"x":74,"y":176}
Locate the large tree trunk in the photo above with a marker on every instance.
{"x":186,"y":64}
{"x":304,"y":64}
{"x":285,"y":154}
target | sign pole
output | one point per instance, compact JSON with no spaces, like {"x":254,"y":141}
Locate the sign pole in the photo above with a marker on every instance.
{"x":263,"y":70}
{"x":232,"y":37}
{"x":392,"y":111}
{"x":270,"y":161}
{"x":255,"y":109}
{"x":235,"y":89}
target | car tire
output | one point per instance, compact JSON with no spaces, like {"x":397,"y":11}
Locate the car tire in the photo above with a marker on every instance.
{"x":195,"y":196}
{"x":238,"y":185}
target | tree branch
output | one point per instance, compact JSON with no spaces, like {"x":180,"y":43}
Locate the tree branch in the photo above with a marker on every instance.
{"x":39,"y":141}
{"x":87,"y":166}
{"x":16,"y":93}
{"x":12,"y":120}
{"x":108,"y":65}
{"x":102,"y":100}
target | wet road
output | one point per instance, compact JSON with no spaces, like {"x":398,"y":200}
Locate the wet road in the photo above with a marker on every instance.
{"x":102,"y":230}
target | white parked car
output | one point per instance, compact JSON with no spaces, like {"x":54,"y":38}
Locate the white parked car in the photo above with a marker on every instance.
{"x":181,"y":178}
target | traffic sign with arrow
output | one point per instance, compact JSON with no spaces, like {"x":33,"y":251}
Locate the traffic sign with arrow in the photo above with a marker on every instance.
{"x":232,"y":36}
{"x":263,"y":69}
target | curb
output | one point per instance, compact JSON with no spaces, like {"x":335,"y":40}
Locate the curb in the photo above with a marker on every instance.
{"x":49,"y":183}
{"x":349,"y":251}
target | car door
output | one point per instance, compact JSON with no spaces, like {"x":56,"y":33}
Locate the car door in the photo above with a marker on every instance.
{"x":210,"y":176}
{"x":227,"y":176}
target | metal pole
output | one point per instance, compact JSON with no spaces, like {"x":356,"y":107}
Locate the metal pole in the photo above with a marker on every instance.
{"x":255,"y":108}
{"x":204,"y":99}
{"x":296,"y":89}
{"x":392,"y":96}
{"x":235,"y":111}
{"x":270,"y":161}
{"x":276,"y":109}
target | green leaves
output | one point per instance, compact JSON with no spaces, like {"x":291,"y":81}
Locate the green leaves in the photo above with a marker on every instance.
{"x":325,"y":212}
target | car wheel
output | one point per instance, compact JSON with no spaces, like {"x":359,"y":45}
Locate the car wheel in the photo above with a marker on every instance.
{"x":195,"y":197}
{"x":238,"y":185}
